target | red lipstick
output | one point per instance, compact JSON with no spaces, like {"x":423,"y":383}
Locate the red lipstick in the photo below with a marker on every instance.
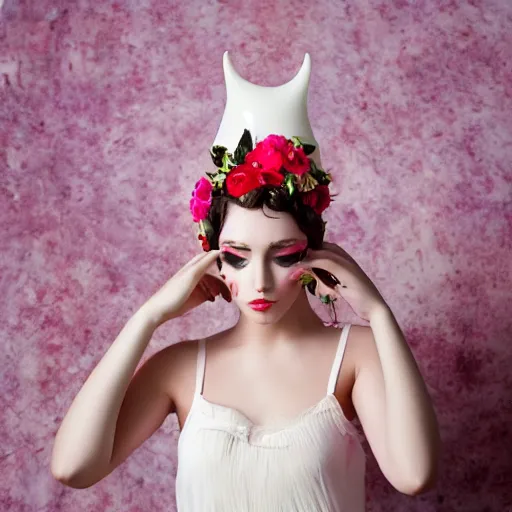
{"x":261,"y":304}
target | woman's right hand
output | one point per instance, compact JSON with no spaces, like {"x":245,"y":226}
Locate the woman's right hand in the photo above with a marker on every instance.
{"x":187,"y":289}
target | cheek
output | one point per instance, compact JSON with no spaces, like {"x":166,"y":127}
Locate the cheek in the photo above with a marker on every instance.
{"x":288,"y":280}
{"x":233,"y":288}
{"x":293,"y":276}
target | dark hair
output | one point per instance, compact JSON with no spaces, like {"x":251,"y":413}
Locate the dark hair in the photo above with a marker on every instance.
{"x":276,"y":199}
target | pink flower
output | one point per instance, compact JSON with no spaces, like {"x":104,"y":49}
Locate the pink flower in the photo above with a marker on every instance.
{"x":278,"y":142}
{"x":203,"y":190}
{"x":268,"y":153}
{"x":201,"y":200}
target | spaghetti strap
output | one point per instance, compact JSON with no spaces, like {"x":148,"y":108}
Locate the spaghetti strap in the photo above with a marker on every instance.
{"x":338,"y":359}
{"x":201,"y":361}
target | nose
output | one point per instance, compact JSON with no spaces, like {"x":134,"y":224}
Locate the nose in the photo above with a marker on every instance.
{"x":262,"y":277}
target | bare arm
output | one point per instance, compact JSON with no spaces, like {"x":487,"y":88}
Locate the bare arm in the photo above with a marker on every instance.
{"x":84,"y":442}
{"x":114,"y":413}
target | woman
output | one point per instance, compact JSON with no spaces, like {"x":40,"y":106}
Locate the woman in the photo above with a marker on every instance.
{"x":265,"y":407}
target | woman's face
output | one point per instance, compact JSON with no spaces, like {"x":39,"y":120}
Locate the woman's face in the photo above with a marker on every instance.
{"x":259,"y":254}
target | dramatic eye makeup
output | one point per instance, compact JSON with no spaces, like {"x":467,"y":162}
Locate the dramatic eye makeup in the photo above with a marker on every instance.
{"x":292,"y":249}
{"x":232,"y":257}
{"x":283,"y":256}
{"x":292,"y":254}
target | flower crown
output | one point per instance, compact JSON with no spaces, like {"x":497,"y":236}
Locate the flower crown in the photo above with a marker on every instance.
{"x":275,"y":162}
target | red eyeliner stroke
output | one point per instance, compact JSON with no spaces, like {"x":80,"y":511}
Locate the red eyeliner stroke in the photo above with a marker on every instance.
{"x":298,"y":247}
{"x":233,"y":251}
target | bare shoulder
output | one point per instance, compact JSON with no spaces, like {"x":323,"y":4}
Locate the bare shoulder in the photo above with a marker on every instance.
{"x":356,"y":336}
{"x":349,"y":368}
{"x":174,"y":363}
{"x":177,"y":366}
{"x":355,"y":347}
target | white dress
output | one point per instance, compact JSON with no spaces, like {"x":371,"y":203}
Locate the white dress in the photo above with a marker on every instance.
{"x":314,"y":463}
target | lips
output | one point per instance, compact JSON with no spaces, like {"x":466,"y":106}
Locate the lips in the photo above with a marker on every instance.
{"x":261,"y":304}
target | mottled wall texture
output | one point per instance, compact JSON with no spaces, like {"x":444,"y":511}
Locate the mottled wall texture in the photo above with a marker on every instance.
{"x":107,"y":111}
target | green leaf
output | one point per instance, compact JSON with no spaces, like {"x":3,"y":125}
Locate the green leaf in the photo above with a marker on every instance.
{"x":297,"y":143}
{"x":289,"y":182}
{"x":308,"y":148}
{"x":217,"y":153}
{"x":319,"y":174}
{"x":220,"y":177}
{"x":244,"y":147}
{"x":205,"y":227}
{"x":227,"y":163}
{"x":305,"y":279}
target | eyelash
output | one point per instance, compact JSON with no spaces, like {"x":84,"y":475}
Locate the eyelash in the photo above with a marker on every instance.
{"x":283,"y":261}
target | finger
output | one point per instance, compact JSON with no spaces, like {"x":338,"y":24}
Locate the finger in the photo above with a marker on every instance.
{"x":315,"y":270}
{"x":211,"y":292}
{"x":208,"y":258}
{"x":326,"y":262}
{"x":218,"y":286}
{"x":225,"y":292}
{"x":206,"y":291}
{"x":192,"y":261}
{"x":323,"y":282}
{"x":321,"y":289}
{"x":326,"y":277}
{"x":329,"y":249}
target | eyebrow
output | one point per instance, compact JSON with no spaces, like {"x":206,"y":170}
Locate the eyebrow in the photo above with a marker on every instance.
{"x":274,"y":245}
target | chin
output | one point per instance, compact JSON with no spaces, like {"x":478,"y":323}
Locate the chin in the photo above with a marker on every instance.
{"x":264,"y":318}
{"x":268,"y":320}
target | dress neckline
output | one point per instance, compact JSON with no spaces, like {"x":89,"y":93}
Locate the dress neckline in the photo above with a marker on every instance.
{"x":328,"y":400}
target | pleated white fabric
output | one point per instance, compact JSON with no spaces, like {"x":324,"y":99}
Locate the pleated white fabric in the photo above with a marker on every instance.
{"x":315,"y":463}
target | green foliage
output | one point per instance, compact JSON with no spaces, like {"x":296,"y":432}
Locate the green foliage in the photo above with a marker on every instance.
{"x":244,"y":147}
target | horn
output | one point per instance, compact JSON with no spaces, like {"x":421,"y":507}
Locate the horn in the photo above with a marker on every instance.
{"x":298,"y":82}
{"x":265,"y":110}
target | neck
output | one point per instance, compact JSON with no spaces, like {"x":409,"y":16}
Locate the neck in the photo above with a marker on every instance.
{"x":298,"y":321}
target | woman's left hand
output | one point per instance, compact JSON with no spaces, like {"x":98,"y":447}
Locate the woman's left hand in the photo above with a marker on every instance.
{"x":350,"y":282}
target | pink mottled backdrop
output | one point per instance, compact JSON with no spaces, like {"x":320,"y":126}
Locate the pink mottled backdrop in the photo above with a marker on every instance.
{"x":107,"y":110}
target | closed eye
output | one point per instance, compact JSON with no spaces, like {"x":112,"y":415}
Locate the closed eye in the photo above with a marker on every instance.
{"x":285,"y":261}
{"x":291,"y":259}
{"x":233,"y":260}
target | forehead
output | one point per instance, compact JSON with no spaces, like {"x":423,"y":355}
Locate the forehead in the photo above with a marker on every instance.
{"x":258,"y":227}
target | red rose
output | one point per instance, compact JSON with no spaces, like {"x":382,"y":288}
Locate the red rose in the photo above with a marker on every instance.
{"x":265,"y":157}
{"x":295,"y":160}
{"x":272,"y":178}
{"x":268,"y":153}
{"x":246,"y":177}
{"x":242,"y":179}
{"x":318,"y":198}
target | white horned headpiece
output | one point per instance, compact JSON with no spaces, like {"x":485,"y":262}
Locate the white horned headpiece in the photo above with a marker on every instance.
{"x":264,"y":140}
